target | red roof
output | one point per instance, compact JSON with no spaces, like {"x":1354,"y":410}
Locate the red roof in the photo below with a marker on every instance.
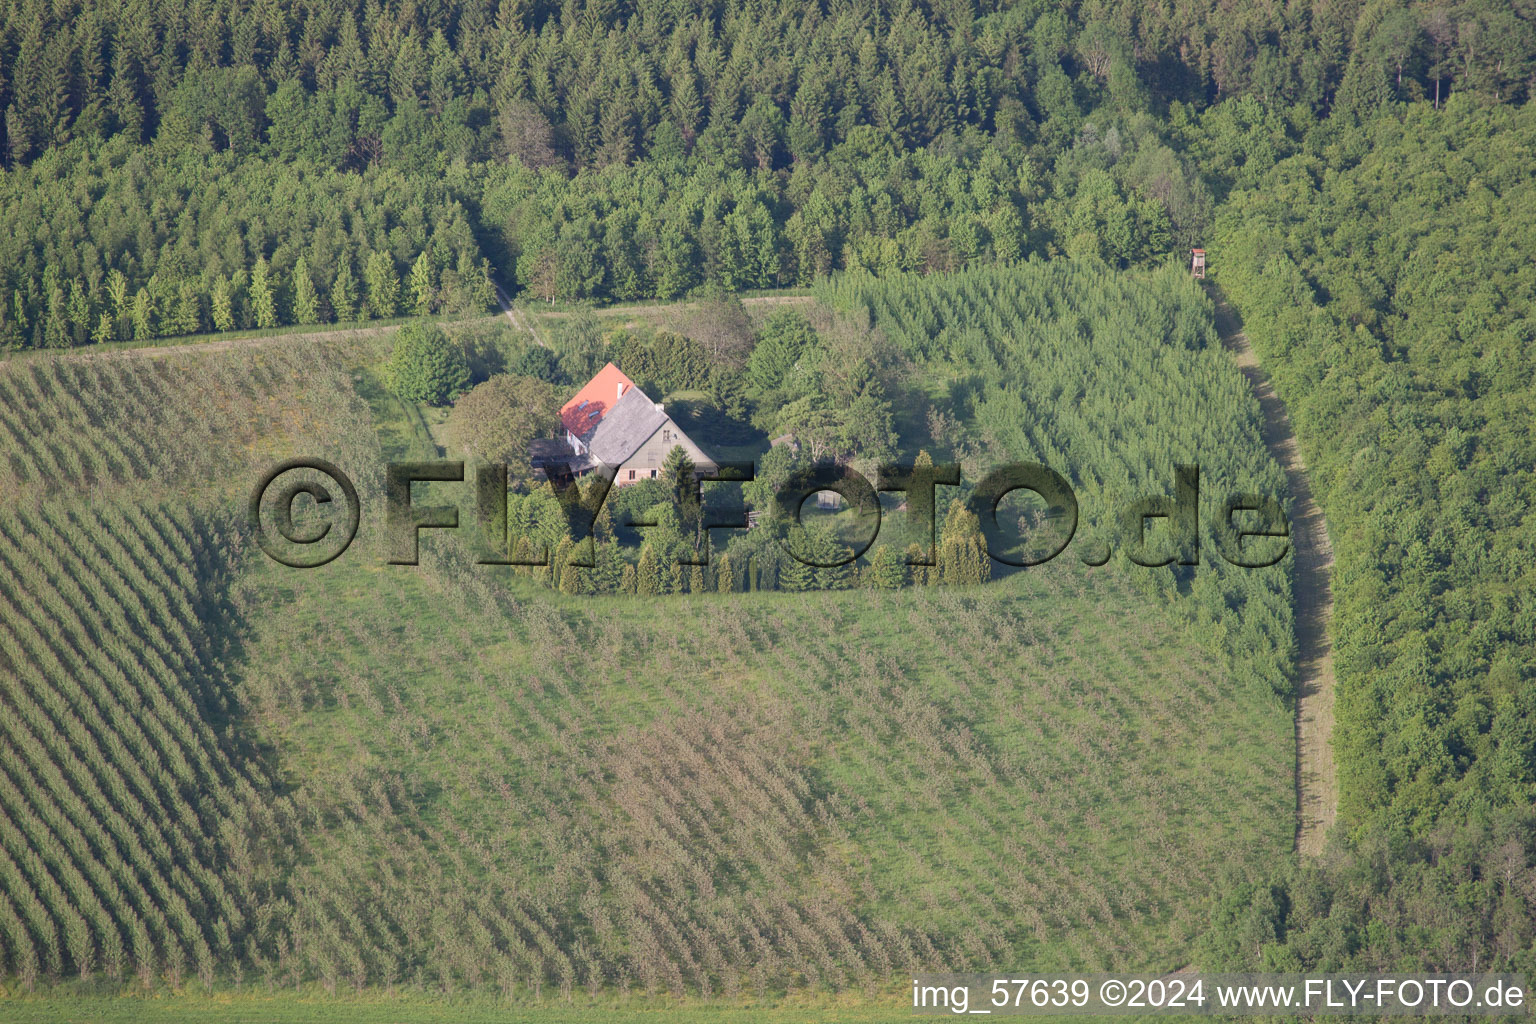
{"x":594,"y":400}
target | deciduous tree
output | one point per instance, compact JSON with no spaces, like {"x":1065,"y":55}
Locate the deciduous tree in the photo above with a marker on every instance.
{"x":496,"y":420}
{"x":427,"y":366}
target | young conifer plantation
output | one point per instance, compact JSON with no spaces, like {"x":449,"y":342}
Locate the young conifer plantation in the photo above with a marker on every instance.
{"x":777,"y":769}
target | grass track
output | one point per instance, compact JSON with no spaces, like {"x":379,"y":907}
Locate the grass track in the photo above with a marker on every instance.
{"x":1317,"y":795}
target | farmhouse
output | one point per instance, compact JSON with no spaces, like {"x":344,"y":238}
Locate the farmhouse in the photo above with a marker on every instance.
{"x":611,"y":422}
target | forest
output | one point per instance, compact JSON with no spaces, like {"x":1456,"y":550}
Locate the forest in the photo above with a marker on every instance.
{"x":1395,"y":307}
{"x":950,"y":232}
{"x":175,"y":170}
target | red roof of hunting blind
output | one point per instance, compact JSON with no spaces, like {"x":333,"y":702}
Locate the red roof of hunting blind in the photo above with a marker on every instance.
{"x":581,"y":414}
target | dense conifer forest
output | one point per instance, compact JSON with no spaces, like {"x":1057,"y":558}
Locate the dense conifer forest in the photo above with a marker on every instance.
{"x":177,"y":169}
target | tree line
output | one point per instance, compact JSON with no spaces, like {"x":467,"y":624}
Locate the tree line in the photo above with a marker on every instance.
{"x":125,"y":247}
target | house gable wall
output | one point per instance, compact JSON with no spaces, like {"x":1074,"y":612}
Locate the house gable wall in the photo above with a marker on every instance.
{"x":653,"y":453}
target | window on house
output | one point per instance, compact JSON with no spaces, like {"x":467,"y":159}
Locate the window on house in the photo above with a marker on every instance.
{"x":666,"y":435}
{"x":653,"y":472}
{"x":631,"y":474}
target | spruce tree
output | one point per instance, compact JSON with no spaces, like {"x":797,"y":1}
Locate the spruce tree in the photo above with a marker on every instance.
{"x":606,"y":575}
{"x":561,"y":561}
{"x":123,"y":96}
{"x":79,"y":313}
{"x":306,"y":301}
{"x":382,"y":284}
{"x":56,"y":330}
{"x":922,"y":575}
{"x":188,"y":316}
{"x":263,"y":297}
{"x":422,"y":292}
{"x":677,"y":472}
{"x":795,"y":576}
{"x":56,"y":325}
{"x":963,"y":557}
{"x":786,"y":337}
{"x":484,"y":291}
{"x":887,"y":570}
{"x":143,"y":315}
{"x":647,"y":572}
{"x":344,"y":293}
{"x":221,"y":304}
{"x":117,"y":294}
{"x":828,"y":549}
{"x":19,"y":312}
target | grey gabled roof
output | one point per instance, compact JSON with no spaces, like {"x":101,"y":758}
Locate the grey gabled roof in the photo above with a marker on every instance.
{"x":625,"y":427}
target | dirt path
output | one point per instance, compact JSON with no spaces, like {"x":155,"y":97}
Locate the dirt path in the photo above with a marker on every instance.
{"x":519,"y":320}
{"x":1316,"y":792}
